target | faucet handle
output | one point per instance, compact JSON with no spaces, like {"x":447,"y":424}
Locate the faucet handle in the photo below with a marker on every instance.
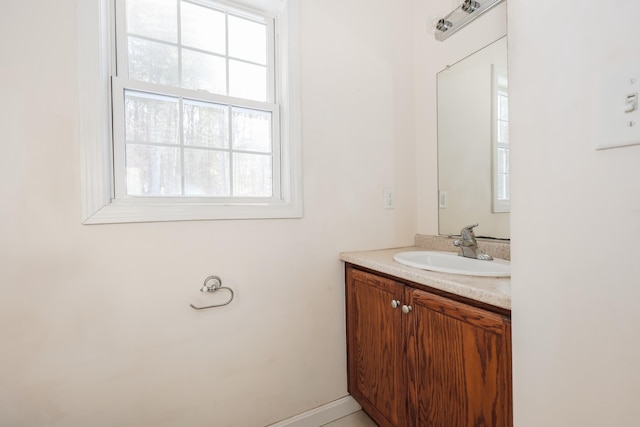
{"x":469,"y":245}
{"x":467,"y":232}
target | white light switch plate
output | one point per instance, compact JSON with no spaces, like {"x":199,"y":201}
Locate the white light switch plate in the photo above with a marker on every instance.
{"x":442,"y":199}
{"x":615,"y":126}
{"x":389,"y":198}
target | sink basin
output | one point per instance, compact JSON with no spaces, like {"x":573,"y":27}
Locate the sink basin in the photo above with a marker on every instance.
{"x":451,"y":262}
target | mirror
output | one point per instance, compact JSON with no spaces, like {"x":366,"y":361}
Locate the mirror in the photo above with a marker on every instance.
{"x":473,"y":144}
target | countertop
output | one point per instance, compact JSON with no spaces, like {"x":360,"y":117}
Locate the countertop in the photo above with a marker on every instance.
{"x":494,"y":291}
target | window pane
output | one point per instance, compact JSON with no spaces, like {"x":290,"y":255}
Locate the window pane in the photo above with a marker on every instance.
{"x":507,"y":188}
{"x":203,"y":71}
{"x":151,"y":118}
{"x":503,"y":160}
{"x":252,"y":175}
{"x":503,"y":106}
{"x":503,"y":187}
{"x":251,"y":130}
{"x":205,"y":124}
{"x":247,"y":40}
{"x":247,"y":81}
{"x":182,"y":145}
{"x":153,"y":170}
{"x":503,"y":174}
{"x":153,"y":62}
{"x":203,"y":28}
{"x":206,"y":173}
{"x":157,"y":19}
{"x":503,"y":132}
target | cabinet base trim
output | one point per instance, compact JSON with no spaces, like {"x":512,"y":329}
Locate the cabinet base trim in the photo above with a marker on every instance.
{"x":323,"y":415}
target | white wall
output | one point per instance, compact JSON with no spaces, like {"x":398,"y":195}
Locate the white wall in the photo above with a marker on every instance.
{"x":575,"y":220}
{"x":95,"y":327}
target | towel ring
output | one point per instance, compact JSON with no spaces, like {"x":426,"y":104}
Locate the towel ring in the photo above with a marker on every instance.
{"x":213,"y":284}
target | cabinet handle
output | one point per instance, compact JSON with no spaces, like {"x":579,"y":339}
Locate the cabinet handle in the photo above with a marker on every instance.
{"x":395,"y":303}
{"x":406,"y":309}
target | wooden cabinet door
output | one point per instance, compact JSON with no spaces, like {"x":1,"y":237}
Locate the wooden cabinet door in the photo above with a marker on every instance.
{"x":376,"y":347}
{"x":459,"y":364}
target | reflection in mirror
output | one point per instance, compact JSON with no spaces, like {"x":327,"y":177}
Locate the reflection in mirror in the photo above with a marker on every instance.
{"x":473,"y":144}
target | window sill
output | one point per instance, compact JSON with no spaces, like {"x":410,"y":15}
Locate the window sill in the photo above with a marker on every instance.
{"x":115,"y":213}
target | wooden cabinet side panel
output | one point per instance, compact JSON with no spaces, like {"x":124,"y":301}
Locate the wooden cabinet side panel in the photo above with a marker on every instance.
{"x":375,"y":345}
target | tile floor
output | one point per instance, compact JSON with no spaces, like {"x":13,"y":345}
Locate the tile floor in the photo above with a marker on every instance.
{"x":357,"y":419}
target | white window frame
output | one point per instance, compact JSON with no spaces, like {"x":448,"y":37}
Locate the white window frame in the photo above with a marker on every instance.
{"x":96,"y":63}
{"x":499,"y":75}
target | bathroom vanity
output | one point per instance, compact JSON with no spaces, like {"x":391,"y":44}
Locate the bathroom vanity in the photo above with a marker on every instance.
{"x":427,"y":348}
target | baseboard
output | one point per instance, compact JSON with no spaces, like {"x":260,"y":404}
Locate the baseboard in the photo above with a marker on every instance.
{"x":323,"y":415}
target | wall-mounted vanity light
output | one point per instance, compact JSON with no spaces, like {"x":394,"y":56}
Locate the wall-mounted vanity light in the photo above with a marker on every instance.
{"x":461,"y":16}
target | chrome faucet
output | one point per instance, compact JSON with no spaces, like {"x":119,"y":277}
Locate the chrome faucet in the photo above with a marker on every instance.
{"x":469,"y":246}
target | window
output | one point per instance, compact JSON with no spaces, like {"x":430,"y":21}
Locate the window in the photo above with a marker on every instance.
{"x":202,"y":107}
{"x":501,"y":168}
